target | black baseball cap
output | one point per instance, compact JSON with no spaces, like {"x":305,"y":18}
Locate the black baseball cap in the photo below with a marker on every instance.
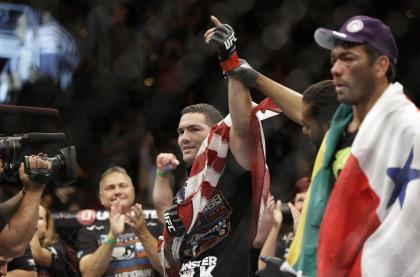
{"x":361,"y":29}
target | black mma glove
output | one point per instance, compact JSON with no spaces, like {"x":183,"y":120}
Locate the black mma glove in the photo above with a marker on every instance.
{"x":244,"y":73}
{"x":173,"y":222}
{"x":224,"y":38}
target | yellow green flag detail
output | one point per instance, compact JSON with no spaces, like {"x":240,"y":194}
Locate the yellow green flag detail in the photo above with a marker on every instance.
{"x":303,"y":251}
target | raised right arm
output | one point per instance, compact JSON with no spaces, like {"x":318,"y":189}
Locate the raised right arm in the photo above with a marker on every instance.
{"x":162,"y":192}
{"x":21,"y":214}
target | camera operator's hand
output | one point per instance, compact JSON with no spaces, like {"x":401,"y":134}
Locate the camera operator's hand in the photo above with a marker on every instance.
{"x":224,"y":37}
{"x":35,"y":162}
{"x":116,"y":220}
{"x":276,"y":214}
{"x":295,"y":215}
{"x":166,"y":162}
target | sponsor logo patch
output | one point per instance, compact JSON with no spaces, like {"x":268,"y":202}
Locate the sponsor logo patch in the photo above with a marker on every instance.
{"x":212,"y":226}
{"x":354,"y":26}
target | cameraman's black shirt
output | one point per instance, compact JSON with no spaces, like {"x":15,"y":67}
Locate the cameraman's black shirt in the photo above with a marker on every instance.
{"x":24,"y":262}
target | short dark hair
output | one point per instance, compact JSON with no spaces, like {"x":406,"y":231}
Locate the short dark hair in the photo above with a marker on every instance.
{"x":211,"y":114}
{"x":322,"y":99}
{"x":372,"y":54}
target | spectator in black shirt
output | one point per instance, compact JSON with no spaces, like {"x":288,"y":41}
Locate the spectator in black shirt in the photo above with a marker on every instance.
{"x":47,"y":249}
{"x":122,"y":246}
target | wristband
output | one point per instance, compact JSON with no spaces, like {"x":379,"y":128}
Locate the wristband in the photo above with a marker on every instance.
{"x":161,"y":173}
{"x":110,"y":241}
{"x":231,"y":63}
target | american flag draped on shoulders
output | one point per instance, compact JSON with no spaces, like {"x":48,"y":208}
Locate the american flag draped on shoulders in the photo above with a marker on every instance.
{"x":371,"y":225}
{"x":205,"y":172}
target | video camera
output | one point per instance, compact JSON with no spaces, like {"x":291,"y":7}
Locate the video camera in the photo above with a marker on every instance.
{"x":12,"y":148}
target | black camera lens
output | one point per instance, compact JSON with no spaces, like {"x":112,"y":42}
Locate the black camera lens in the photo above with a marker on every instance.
{"x":63,"y":168}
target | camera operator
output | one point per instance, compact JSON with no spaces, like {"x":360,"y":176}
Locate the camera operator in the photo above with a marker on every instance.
{"x":19,"y":215}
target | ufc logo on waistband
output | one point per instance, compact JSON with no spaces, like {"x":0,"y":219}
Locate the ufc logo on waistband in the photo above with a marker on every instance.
{"x":229,"y":42}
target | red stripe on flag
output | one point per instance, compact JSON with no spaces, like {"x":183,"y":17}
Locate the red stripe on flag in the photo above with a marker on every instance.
{"x":356,"y":271}
{"x":211,"y":159}
{"x":349,"y":219}
{"x":218,"y":164}
{"x":206,"y":190}
{"x":223,"y":131}
{"x":258,"y":175}
{"x":199,"y":164}
{"x":268,"y":104}
{"x":211,"y":156}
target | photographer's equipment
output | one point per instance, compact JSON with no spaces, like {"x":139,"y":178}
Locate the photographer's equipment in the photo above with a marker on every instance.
{"x":11,"y":146}
{"x":30,"y":111}
{"x":63,"y":163}
{"x":63,"y":168}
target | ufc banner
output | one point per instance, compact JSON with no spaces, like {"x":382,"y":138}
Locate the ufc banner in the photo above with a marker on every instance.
{"x":75,"y":220}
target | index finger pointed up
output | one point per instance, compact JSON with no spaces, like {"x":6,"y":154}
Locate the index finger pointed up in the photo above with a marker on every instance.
{"x":215,"y":21}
